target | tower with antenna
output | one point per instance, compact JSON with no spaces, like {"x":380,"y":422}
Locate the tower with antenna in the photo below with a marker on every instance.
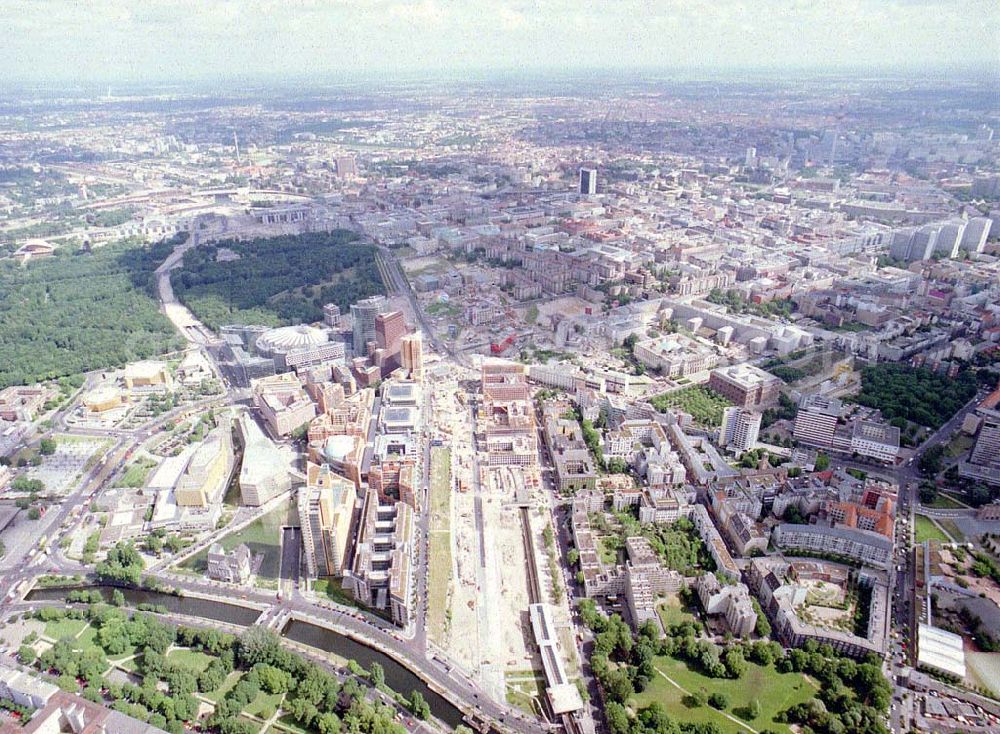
{"x":236,"y":142}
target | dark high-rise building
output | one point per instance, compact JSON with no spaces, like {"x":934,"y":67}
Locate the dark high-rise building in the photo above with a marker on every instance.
{"x":588,"y":180}
{"x":364,"y":313}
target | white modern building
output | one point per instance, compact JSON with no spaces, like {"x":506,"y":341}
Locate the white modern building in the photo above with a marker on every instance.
{"x":740,"y":429}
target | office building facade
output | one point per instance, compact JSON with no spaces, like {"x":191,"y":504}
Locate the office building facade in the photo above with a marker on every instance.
{"x":326,"y":507}
{"x":363,"y":313}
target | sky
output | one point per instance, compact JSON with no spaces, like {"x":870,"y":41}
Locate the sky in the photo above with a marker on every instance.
{"x":136,"y":41}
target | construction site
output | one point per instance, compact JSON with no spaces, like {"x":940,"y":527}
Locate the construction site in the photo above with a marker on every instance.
{"x":503,"y":563}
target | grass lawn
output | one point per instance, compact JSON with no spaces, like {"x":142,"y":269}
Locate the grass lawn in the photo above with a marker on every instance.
{"x":226,"y":686}
{"x":924,"y":529}
{"x":192,"y":659}
{"x":959,"y":445}
{"x":64,"y":628}
{"x":89,"y":639}
{"x":607,"y":549}
{"x":951,"y":529}
{"x":287,"y":723}
{"x":671,"y":611}
{"x":264,"y":703}
{"x":524,"y":690}
{"x":135,"y":475}
{"x":704,"y":405}
{"x":774,"y":692}
{"x":252,"y":722}
{"x":128,"y":664}
{"x":945,"y":502}
{"x":439,"y":544}
{"x":129,"y":651}
{"x":263,"y":535}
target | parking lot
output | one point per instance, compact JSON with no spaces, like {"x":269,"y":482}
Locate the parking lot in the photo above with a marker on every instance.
{"x":62,"y":470}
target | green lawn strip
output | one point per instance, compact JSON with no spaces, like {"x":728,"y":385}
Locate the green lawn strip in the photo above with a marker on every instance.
{"x":925,"y":529}
{"x":62,"y":628}
{"x":945,"y":502}
{"x":773,"y":691}
{"x":951,"y":529}
{"x":255,"y":723}
{"x":287,"y":723}
{"x":128,"y":664}
{"x":129,"y":652}
{"x":439,"y":543}
{"x":196,"y":661}
{"x":438,"y":581}
{"x":954,"y":502}
{"x":959,"y":445}
{"x":135,"y":475}
{"x":517,"y":697}
{"x":88,"y":638}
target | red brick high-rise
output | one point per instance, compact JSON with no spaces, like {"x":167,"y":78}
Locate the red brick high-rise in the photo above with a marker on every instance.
{"x":390,"y":328}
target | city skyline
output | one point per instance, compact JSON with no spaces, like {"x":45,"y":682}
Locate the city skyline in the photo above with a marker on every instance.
{"x":546,"y":367}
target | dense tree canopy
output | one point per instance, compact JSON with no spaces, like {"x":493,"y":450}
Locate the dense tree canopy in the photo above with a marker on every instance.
{"x":277,"y":280}
{"x":80,"y":311}
{"x":123,"y":565}
{"x":915,"y":394}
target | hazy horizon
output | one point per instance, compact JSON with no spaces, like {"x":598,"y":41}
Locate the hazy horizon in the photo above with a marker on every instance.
{"x":269,"y":41}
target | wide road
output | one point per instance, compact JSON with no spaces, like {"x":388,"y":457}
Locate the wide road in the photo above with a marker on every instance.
{"x":400,"y":283}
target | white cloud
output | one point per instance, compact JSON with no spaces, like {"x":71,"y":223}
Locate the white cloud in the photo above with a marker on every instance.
{"x":198,"y":38}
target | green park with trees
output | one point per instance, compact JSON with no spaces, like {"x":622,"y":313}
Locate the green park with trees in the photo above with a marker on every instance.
{"x":708,"y":688}
{"x":246,"y":679}
{"x":913,"y":394}
{"x":276,"y":280}
{"x":704,"y":405}
{"x":80,"y":311}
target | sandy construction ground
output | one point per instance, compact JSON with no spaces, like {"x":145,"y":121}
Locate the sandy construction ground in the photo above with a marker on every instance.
{"x":568,"y":306}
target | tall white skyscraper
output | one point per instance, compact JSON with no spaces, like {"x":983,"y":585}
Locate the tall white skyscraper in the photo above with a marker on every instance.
{"x":740,"y":429}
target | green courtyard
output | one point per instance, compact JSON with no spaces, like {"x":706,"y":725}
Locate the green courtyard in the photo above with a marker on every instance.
{"x":672,"y":611}
{"x":704,"y":405}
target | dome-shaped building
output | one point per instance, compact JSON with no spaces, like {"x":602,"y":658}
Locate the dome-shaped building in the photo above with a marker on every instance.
{"x":295,"y":346}
{"x":284,"y":339}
